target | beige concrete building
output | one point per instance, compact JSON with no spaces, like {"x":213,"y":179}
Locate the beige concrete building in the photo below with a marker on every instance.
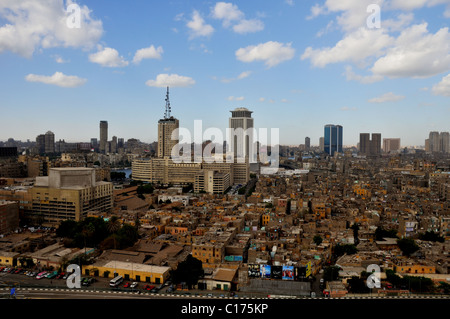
{"x":70,"y":193}
{"x":212,"y":182}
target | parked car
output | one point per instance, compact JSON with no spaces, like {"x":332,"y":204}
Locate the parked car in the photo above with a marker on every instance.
{"x":148,"y":287}
{"x":52,"y":274}
{"x":60,"y":275}
{"x":133,"y":285}
{"x":126,"y":285}
{"x":41,"y":275}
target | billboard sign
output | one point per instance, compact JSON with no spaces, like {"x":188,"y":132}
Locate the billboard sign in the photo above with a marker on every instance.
{"x":288,"y":273}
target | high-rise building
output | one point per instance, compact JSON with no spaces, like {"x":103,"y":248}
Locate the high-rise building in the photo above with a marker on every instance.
{"x":375,"y":144}
{"x":391,"y":144}
{"x":114,"y":145}
{"x":364,"y":143}
{"x":307,"y":143}
{"x":370,"y":147}
{"x":322,"y":144}
{"x":49,"y":142}
{"x":94,"y":144}
{"x":434,"y":141}
{"x":166,"y":128}
{"x":444,"y":142}
{"x":40,"y":143}
{"x":103,"y":136}
{"x":438,"y":142}
{"x":333,"y":138}
{"x":241,"y":133}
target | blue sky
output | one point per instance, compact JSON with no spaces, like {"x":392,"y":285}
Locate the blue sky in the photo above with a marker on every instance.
{"x":298,"y":65}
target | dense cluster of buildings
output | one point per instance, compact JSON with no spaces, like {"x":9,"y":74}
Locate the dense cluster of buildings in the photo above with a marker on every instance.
{"x":264,"y":239}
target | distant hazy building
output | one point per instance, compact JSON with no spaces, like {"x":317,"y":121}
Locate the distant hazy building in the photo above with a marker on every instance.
{"x":364,"y":143}
{"x":307,"y":143}
{"x":370,"y":146}
{"x":49,"y":142}
{"x":438,"y":142}
{"x":333,"y":138}
{"x":444,"y":142}
{"x":94,"y":144}
{"x":40,"y":143}
{"x":103,"y":136}
{"x":391,"y":144}
{"x":322,"y":144}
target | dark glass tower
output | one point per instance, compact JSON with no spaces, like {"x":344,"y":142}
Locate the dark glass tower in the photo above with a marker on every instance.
{"x":333,"y":137}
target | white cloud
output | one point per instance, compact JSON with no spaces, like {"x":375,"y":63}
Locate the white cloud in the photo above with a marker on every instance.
{"x":415,"y":4}
{"x":59,"y":59}
{"x":355,"y":47}
{"x":108,"y":57}
{"x":261,"y":99}
{"x":230,"y":14}
{"x":244,"y":75}
{"x":289,"y":2}
{"x":148,"y":53}
{"x":172,"y":80}
{"x":198,"y":27}
{"x":346,"y":108}
{"x":227,"y":12}
{"x":387,"y":97}
{"x":416,"y":53}
{"x":31,"y":25}
{"x":233,"y":98}
{"x":272,"y":53}
{"x":241,"y":76}
{"x":58,"y":78}
{"x":352,"y":76}
{"x":248,"y":26}
{"x":443,"y":87}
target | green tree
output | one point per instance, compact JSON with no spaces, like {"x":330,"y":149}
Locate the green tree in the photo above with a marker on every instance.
{"x":188,"y":271}
{"x":381,"y":233}
{"x":407,"y":245}
{"x":331,"y":273}
{"x":317,"y":240}
{"x":432,"y":236}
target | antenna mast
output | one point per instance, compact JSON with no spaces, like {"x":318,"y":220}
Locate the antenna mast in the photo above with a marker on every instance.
{"x":167,"y":112}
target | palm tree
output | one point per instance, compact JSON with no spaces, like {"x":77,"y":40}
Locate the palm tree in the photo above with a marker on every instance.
{"x":113,"y":226}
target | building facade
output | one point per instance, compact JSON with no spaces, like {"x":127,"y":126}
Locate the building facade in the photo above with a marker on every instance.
{"x":70,"y":193}
{"x":333,"y":138}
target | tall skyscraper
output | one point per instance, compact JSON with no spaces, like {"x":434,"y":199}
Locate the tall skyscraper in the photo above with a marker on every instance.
{"x":364,"y":143}
{"x":40,"y":143}
{"x":444,"y":142}
{"x":49,"y":142}
{"x":370,"y":147}
{"x":103,"y":136}
{"x":241,"y":130}
{"x":322,"y":144}
{"x":434,"y":141}
{"x":333,"y":137}
{"x":307,"y":143}
{"x":375,"y":144}
{"x":166,"y":126}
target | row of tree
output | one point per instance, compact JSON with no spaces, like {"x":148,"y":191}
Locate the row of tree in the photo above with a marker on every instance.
{"x":96,"y":232}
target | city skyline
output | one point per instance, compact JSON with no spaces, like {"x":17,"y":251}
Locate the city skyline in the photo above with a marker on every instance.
{"x":298,"y":66}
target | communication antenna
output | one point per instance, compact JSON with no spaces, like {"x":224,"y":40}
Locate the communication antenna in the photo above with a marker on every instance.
{"x":167,"y":112}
